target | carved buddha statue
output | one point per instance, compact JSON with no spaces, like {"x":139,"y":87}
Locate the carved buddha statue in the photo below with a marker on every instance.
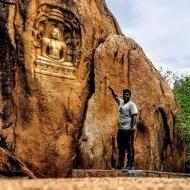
{"x":53,"y":50}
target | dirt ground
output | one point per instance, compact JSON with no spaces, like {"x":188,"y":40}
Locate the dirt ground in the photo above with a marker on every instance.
{"x":97,"y":184}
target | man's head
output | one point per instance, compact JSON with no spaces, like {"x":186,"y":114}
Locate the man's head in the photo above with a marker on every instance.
{"x":126,"y":95}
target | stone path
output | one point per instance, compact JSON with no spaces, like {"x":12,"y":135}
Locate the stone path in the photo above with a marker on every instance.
{"x":126,"y":173}
{"x":118,"y":183}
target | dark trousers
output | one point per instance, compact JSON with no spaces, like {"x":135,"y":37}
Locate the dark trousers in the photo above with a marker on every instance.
{"x":125,"y":141}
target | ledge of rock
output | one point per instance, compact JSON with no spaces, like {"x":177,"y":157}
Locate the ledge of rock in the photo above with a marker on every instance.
{"x":125,"y":173}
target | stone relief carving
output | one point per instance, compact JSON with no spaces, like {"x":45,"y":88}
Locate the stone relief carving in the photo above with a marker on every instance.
{"x":57,"y":41}
{"x":53,"y":49}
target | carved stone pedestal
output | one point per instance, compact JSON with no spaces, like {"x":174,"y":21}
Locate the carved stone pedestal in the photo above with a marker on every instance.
{"x":63,"y":70}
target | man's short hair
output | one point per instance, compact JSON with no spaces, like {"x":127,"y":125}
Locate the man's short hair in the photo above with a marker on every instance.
{"x":126,"y":91}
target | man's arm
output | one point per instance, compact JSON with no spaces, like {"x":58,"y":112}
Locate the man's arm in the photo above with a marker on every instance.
{"x":133,"y":111}
{"x":115,"y":96}
{"x":134,"y":120}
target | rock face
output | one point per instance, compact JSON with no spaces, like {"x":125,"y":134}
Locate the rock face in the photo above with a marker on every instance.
{"x":57,"y":60}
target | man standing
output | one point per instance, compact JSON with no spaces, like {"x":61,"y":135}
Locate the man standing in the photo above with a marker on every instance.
{"x":125,"y":136}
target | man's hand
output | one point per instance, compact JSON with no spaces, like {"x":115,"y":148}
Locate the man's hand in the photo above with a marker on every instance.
{"x":114,"y":94}
{"x":110,"y":88}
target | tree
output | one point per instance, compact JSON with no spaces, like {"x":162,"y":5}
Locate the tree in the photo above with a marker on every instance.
{"x":182,"y":93}
{"x":169,"y":76}
{"x":181,"y":89}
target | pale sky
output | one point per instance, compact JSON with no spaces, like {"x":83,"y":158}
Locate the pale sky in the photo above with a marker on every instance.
{"x":161,"y":27}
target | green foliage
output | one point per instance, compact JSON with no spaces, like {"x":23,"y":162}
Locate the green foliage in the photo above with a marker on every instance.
{"x":182,"y":93}
{"x":181,"y":89}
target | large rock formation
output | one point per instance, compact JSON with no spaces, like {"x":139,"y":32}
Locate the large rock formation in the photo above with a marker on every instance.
{"x":121,"y":63}
{"x":57,"y":60}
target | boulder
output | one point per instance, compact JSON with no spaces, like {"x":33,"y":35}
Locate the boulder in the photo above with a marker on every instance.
{"x":121,"y":63}
{"x":57,"y":59}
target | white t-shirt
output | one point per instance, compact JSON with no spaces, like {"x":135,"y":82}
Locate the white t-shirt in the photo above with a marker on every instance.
{"x":125,"y":114}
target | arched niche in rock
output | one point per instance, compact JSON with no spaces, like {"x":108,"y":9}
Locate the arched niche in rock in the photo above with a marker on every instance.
{"x":57,"y":42}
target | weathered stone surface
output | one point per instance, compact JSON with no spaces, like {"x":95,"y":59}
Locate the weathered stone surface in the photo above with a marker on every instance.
{"x":43,"y":98}
{"x":12,"y":166}
{"x":56,"y":112}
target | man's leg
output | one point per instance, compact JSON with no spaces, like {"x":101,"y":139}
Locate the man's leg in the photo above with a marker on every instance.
{"x":121,"y":148}
{"x":130,"y":149}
